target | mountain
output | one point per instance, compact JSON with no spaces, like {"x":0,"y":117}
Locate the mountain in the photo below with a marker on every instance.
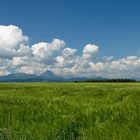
{"x":80,"y":79}
{"x":136,"y":78}
{"x":50,"y":76}
{"x":22,"y":77}
{"x":18,"y":77}
{"x":47,"y":76}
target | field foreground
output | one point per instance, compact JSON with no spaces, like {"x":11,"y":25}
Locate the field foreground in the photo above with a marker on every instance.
{"x":70,"y":111}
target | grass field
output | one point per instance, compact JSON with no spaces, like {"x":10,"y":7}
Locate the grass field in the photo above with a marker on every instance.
{"x":70,"y":111}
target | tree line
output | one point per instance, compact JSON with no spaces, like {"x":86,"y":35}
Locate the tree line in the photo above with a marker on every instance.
{"x":108,"y":80}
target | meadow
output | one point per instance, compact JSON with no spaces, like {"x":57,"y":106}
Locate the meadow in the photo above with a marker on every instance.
{"x":70,"y":111}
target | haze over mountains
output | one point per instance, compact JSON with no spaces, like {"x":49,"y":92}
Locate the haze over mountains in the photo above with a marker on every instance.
{"x":47,"y":76}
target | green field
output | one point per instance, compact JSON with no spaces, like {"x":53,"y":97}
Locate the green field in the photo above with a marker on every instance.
{"x":70,"y":111}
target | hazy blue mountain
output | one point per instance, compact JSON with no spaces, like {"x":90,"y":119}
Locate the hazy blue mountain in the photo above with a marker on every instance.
{"x":18,"y":77}
{"x":47,"y":76}
{"x":50,"y":76}
{"x":86,"y":78}
{"x":136,"y":78}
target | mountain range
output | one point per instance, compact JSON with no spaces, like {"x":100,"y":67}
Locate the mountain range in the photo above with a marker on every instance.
{"x":47,"y":76}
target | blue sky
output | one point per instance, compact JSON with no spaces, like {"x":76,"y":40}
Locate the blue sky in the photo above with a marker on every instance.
{"x":111,"y":24}
{"x":70,"y":37}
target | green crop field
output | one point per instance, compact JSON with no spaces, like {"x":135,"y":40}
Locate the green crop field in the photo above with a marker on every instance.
{"x":70,"y":111}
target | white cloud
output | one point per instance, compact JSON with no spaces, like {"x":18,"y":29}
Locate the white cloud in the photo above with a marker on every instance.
{"x":17,"y":56}
{"x":46,"y":52}
{"x":11,"y":39}
{"x":67,"y":58}
{"x":60,"y":61}
{"x":69,"y":52}
{"x":25,"y":69}
{"x":90,"y":51}
{"x":107,"y":58}
{"x":17,"y":61}
{"x":41,"y":51}
{"x":4,"y":71}
{"x":24,"y":50}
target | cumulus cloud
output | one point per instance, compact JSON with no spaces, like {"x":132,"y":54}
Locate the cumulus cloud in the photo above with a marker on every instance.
{"x":4,"y":71}
{"x":11,"y":40}
{"x":25,"y":69}
{"x":107,"y":58}
{"x":17,"y":61}
{"x":67,"y":58}
{"x":46,"y":52}
{"x":90,"y":51}
{"x":17,"y":56}
{"x":68,"y":52}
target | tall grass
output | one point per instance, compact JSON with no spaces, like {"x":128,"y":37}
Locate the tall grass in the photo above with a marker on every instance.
{"x":70,"y":111}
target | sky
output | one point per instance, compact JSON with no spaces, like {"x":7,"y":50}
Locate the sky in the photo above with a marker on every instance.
{"x":70,"y":37}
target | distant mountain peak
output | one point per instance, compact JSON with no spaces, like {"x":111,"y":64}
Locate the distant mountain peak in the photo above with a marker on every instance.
{"x":47,"y":76}
{"x":48,"y":72}
{"x":50,"y":76}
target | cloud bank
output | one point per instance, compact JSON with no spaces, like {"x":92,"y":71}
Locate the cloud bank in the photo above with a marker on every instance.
{"x":16,"y":56}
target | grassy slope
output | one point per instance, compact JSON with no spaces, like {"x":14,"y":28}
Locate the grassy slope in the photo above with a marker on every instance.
{"x":69,"y":111}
